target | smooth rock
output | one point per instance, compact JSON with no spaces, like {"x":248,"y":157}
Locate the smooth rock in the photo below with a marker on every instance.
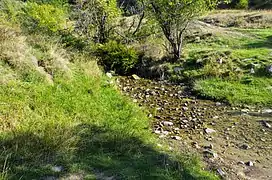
{"x":109,"y":75}
{"x":209,"y":130}
{"x":244,"y":110}
{"x":167,"y":123}
{"x":135,"y":77}
{"x":221,"y":172}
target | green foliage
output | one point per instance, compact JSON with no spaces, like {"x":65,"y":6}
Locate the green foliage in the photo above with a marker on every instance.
{"x":10,"y":10}
{"x":242,"y":4}
{"x":117,"y":57}
{"x":45,"y":17}
{"x":173,"y":17}
{"x":59,"y":3}
{"x":249,"y":90}
{"x":96,"y":19}
{"x":83,"y":125}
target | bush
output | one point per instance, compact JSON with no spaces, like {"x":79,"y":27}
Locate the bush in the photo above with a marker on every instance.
{"x":10,"y":10}
{"x":117,"y":57}
{"x":45,"y":17}
{"x":242,"y":4}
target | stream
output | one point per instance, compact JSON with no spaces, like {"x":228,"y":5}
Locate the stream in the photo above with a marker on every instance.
{"x":234,"y":141}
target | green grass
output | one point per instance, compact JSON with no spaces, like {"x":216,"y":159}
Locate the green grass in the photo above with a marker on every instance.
{"x":57,"y":110}
{"x":238,"y":54}
{"x":251,"y":90}
{"x":86,"y":126}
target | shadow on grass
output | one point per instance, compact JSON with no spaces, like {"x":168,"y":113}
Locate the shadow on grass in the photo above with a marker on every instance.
{"x":99,"y":151}
{"x":261,"y":44}
{"x":27,"y":156}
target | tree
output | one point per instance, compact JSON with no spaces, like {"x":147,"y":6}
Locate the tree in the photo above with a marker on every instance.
{"x":173,"y":16}
{"x":95,"y":18}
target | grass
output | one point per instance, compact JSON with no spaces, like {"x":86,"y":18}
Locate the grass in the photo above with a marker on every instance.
{"x":86,"y":126}
{"x":218,"y":65}
{"x":57,"y":110}
{"x":240,"y":18}
{"x":253,"y":91}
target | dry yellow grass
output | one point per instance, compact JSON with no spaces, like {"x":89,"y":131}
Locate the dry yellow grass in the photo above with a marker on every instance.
{"x":241,"y":18}
{"x":18,"y":59}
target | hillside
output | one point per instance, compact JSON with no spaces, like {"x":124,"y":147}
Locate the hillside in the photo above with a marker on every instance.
{"x":89,"y":98}
{"x":62,"y":118}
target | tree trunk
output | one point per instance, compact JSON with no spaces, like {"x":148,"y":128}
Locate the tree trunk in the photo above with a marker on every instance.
{"x":177,"y":47}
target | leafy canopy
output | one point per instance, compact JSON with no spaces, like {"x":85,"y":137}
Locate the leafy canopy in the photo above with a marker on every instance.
{"x":173,"y":17}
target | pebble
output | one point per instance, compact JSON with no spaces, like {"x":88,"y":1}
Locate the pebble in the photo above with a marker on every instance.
{"x":221,"y":172}
{"x":109,"y":75}
{"x":244,"y":110}
{"x":134,"y":76}
{"x":209,"y":130}
{"x":176,"y":137}
{"x":266,"y":124}
{"x":167,"y":123}
{"x":249,"y":163}
{"x":241,"y":163}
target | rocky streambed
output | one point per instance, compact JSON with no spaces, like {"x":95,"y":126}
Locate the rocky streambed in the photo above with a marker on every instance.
{"x":234,"y":141}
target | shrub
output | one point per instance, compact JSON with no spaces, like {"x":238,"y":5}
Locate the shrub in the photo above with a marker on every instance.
{"x":117,"y":57}
{"x":45,"y":17}
{"x":10,"y":10}
{"x":242,"y":4}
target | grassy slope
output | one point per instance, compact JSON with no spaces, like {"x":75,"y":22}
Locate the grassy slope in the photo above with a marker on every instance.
{"x":84,"y":126}
{"x":238,"y":48}
{"x":57,"y":113}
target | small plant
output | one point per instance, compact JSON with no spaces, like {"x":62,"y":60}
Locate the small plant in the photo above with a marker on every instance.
{"x":242,"y":4}
{"x":117,"y":57}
